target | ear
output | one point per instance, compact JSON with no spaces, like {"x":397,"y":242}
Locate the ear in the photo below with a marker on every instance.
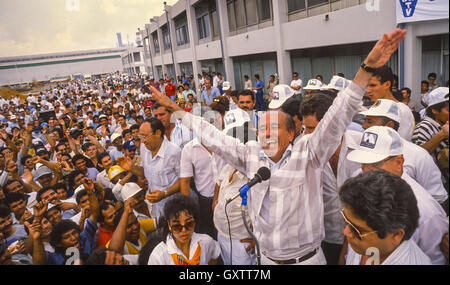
{"x":387,"y":84}
{"x":399,"y":161}
{"x":158,"y":133}
{"x":397,"y":237}
{"x":390,"y":124}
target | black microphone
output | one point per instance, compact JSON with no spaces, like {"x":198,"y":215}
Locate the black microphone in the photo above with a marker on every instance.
{"x":263,"y":174}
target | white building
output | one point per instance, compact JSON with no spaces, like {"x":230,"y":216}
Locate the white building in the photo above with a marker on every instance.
{"x":310,"y":37}
{"x":133,"y":61}
{"x":43,"y":67}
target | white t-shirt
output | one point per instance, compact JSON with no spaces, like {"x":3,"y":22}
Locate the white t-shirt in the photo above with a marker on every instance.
{"x":297,"y":83}
{"x":406,"y":127}
{"x":196,"y":159}
{"x":161,"y":255}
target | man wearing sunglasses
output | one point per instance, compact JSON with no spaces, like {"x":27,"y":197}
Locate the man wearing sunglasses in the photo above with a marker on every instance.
{"x":381,"y":148}
{"x":381,"y":214}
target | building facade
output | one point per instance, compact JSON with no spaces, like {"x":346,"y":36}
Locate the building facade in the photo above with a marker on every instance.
{"x":133,"y":61}
{"x":311,"y":37}
{"x":24,"y":69}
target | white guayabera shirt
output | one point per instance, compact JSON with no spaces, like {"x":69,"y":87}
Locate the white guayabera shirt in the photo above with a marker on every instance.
{"x":293,"y":194}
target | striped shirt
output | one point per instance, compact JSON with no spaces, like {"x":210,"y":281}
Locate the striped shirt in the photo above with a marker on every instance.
{"x":295,"y":225}
{"x":425,"y":130}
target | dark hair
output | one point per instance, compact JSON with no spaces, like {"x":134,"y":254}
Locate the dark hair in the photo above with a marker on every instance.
{"x":385,"y":120}
{"x":384,"y":74}
{"x":102,"y":155}
{"x":385,"y":201}
{"x":80,"y":194}
{"x":292,"y":107}
{"x":397,"y":95}
{"x":72,"y":176}
{"x":425,"y":82}
{"x":156,"y":124}
{"x":85,"y":146}
{"x":59,"y":230}
{"x":437,"y":107}
{"x":24,"y":158}
{"x":14,"y":197}
{"x":98,"y":256}
{"x":42,"y":191}
{"x":407,"y":90}
{"x":257,"y":76}
{"x":134,"y":127}
{"x":174,"y":207}
{"x":4,"y":211}
{"x":104,"y":206}
{"x":153,"y":239}
{"x":218,"y":107}
{"x":157,"y":105}
{"x":61,"y":143}
{"x":126,"y":131}
{"x":432,"y":74}
{"x":78,"y":157}
{"x":246,"y":93}
{"x":316,"y":105}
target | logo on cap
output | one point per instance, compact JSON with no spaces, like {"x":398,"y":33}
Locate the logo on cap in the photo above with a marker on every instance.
{"x":276,"y":95}
{"x":377,"y":103}
{"x":369,"y":140}
{"x":230,"y":119}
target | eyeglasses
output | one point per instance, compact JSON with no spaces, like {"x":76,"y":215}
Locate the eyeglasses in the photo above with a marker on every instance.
{"x":354,"y":230}
{"x":178,"y":227}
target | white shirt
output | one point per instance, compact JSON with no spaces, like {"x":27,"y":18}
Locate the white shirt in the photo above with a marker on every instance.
{"x":161,"y":254}
{"x":204,"y":167}
{"x":406,"y":127}
{"x":407,"y":253}
{"x":180,"y":135}
{"x":228,"y":189}
{"x":295,"y":227}
{"x":433,"y":223}
{"x":163,"y":170}
{"x":248,"y":85}
{"x":297,"y":83}
{"x":103,"y":179}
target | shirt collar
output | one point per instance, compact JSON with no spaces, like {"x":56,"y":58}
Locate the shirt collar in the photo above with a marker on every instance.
{"x":162,"y":149}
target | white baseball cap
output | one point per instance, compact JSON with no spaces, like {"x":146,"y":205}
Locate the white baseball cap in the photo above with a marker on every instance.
{"x":235,"y":118}
{"x":129,"y":190}
{"x":313,"y":84}
{"x":226,"y":85}
{"x":115,"y":136}
{"x":384,"y":108}
{"x":377,"y":143}
{"x":281,"y":93}
{"x":437,"y":96}
{"x":338,"y":83}
{"x":79,"y":188}
{"x":12,"y":117}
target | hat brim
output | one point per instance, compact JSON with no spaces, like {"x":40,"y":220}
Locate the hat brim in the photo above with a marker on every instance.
{"x":372,"y":113}
{"x":275,"y":104}
{"x":366,"y":157}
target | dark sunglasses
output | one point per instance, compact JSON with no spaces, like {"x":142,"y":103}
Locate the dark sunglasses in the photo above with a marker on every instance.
{"x":178,"y":227}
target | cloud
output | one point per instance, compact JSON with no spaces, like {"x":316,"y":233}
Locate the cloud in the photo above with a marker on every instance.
{"x":46,"y":26}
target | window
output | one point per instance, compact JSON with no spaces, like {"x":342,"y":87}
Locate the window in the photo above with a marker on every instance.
{"x":203,"y":26}
{"x":312,"y":3}
{"x":215,"y":23}
{"x":251,"y":10}
{"x":182,"y":35}
{"x":166,"y":38}
{"x":231,"y":17}
{"x":296,"y":5}
{"x":265,"y":10}
{"x":155,"y":42}
{"x":137,"y":56}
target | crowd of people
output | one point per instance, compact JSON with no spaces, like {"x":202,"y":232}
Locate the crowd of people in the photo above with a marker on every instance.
{"x":132,"y":170}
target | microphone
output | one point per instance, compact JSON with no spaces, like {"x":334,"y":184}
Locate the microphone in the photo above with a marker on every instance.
{"x":263,"y":174}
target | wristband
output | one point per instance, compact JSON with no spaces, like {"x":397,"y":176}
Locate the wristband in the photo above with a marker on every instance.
{"x":368,"y":68}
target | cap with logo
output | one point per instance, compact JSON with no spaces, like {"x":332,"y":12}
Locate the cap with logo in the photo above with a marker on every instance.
{"x":41,"y":171}
{"x":129,"y":190}
{"x":114,"y":171}
{"x":130,"y":145}
{"x":437,"y":96}
{"x":377,"y":143}
{"x":226,"y":85}
{"x":313,"y":84}
{"x":384,"y":108}
{"x":235,"y":118}
{"x":281,"y":93}
{"x":337,"y":83}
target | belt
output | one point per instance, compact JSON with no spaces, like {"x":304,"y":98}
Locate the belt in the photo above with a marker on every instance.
{"x":295,"y":260}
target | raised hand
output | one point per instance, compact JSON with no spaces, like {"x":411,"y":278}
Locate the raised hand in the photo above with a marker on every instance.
{"x":40,"y":208}
{"x":88,"y":184}
{"x":384,"y":48}
{"x":125,"y":162}
{"x":35,"y":229}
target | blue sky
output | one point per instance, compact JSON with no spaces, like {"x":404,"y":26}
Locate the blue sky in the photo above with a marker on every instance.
{"x":46,"y":26}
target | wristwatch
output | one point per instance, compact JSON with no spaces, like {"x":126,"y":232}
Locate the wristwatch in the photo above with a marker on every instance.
{"x":368,"y":68}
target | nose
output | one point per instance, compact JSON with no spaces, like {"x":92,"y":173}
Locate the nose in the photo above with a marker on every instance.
{"x":347,"y":232}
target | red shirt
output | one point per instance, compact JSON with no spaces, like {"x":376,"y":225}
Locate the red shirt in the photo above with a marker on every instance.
{"x":170,"y":90}
{"x":103,"y":237}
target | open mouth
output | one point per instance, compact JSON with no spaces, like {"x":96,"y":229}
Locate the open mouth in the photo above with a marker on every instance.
{"x":268,"y":143}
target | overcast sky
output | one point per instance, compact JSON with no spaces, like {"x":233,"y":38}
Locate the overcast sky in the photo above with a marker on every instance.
{"x":45,"y":26}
